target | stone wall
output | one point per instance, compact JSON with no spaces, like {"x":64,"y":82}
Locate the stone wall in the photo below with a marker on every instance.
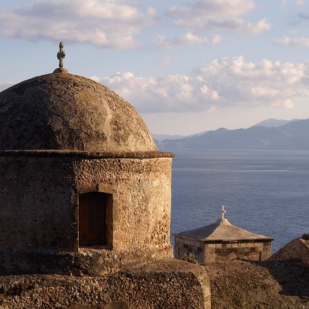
{"x":183,"y":247}
{"x":141,"y":194}
{"x":222,"y":252}
{"x":39,"y":211}
{"x":35,"y":204}
{"x":166,"y":284}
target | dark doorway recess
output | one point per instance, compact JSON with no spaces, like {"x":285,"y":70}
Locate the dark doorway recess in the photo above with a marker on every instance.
{"x":94,"y":219}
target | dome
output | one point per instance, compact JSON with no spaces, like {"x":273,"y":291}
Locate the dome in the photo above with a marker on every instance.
{"x":61,"y":111}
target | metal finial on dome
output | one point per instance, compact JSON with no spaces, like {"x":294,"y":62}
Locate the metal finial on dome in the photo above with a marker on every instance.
{"x":61,"y":56}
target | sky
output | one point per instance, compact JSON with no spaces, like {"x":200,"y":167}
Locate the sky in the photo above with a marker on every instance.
{"x":186,"y":66}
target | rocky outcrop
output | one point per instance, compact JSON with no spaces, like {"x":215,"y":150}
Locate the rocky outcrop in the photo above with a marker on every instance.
{"x":258,"y":285}
{"x":167,"y":284}
{"x":296,"y":250}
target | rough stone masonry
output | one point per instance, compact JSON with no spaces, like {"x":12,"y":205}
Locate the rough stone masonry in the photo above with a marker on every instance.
{"x":85,"y":202}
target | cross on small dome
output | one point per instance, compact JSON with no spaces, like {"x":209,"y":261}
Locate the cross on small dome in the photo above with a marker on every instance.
{"x":223,"y":212}
{"x":61,"y":56}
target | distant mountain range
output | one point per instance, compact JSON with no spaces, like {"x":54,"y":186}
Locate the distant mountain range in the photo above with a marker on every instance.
{"x":269,"y":123}
{"x":270,"y":134}
{"x":162,"y":137}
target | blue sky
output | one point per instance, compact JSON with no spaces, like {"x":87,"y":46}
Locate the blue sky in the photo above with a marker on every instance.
{"x":186,"y":66}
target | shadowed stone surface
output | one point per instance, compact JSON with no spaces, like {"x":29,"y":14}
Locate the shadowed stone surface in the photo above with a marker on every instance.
{"x":168,"y":284}
{"x":295,"y":250}
{"x":69,"y":112}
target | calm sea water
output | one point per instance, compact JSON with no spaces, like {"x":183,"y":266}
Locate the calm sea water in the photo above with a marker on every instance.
{"x":265,"y":192}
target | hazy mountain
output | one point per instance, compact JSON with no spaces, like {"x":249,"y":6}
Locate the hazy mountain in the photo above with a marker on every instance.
{"x":269,"y":123}
{"x":161,"y":137}
{"x":290,"y":136}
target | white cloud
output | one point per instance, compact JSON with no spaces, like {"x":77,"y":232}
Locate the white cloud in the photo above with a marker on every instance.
{"x":187,"y":39}
{"x":210,"y":15}
{"x":175,"y":93}
{"x":287,"y":41}
{"x":105,"y":23}
{"x":213,"y":8}
{"x":5,"y":85}
{"x":298,"y":2}
{"x":222,"y":83}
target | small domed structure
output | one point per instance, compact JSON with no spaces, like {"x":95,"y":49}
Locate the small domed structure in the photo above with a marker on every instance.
{"x":83,"y":188}
{"x":222,"y":241}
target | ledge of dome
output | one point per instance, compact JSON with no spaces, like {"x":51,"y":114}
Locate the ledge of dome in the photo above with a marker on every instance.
{"x":86,"y":154}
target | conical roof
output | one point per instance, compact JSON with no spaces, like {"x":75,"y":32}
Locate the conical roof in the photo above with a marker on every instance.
{"x":222,"y":231}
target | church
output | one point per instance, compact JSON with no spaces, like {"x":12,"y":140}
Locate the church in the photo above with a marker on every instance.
{"x":85,"y":203}
{"x":83,"y":187}
{"x":222,"y":241}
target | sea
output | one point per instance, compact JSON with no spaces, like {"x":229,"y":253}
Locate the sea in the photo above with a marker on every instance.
{"x":264,"y":192}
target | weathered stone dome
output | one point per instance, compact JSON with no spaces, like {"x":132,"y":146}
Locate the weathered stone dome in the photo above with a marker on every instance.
{"x":61,"y":111}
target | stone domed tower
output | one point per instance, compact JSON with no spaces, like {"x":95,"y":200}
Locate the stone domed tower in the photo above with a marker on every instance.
{"x":83,"y":188}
